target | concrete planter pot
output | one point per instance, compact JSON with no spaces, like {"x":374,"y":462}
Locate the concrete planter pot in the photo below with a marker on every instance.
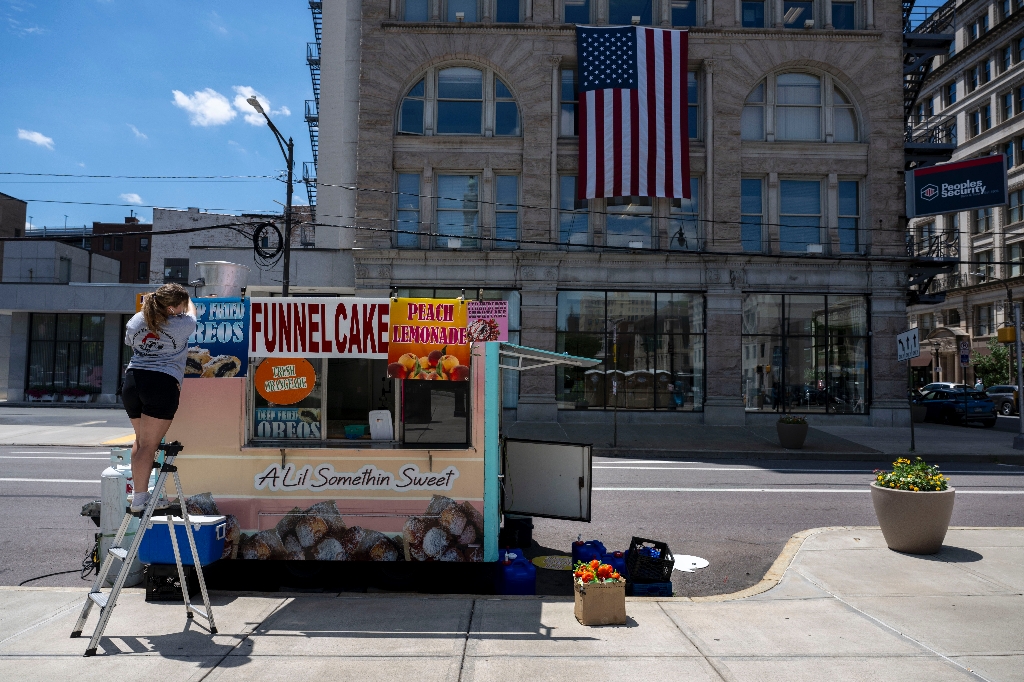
{"x":913,"y":522}
{"x":791,"y":436}
{"x":918,"y":413}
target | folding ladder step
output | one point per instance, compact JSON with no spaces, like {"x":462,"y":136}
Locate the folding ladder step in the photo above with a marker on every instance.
{"x":120,"y":552}
{"x":200,"y":612}
{"x":99,"y":599}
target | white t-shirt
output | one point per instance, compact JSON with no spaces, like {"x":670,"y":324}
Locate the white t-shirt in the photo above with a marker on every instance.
{"x":164,"y":351}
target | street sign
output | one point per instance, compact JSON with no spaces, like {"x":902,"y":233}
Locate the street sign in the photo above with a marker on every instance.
{"x":960,"y":186}
{"x":965,"y":353}
{"x":908,"y":345}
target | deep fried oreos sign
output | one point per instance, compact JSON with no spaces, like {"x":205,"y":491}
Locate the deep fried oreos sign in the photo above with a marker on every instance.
{"x":961,"y":186}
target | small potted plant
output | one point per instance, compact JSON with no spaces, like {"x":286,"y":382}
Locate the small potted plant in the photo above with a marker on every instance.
{"x":792,"y":431}
{"x":600,"y":594}
{"x":913,"y":503}
{"x":75,"y":395}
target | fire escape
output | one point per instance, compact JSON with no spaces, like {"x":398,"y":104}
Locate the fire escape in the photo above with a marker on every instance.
{"x":927,"y":143}
{"x":313,"y":105}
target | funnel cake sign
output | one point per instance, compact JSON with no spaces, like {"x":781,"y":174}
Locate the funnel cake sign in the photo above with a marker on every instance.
{"x":319,"y":327}
{"x":428,"y":340}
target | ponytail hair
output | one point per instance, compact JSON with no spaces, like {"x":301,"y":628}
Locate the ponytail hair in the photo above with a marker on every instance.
{"x":155,"y":305}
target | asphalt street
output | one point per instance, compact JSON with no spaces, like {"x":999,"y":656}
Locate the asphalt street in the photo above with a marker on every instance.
{"x":737,"y":514}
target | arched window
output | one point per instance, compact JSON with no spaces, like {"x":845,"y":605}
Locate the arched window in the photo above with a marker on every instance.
{"x":799,"y":107}
{"x":460,"y":100}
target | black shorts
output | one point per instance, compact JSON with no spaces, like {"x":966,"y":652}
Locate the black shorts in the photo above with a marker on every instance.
{"x":154,"y":394}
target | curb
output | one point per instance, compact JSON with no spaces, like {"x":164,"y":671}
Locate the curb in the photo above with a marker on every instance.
{"x":804,"y":455}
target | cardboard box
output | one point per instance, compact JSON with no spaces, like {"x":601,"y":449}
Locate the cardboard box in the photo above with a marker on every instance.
{"x":601,"y":603}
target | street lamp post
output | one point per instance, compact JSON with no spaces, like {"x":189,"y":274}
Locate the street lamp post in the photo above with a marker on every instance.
{"x":288,"y":157}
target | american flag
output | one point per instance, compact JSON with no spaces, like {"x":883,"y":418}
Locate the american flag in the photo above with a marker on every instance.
{"x":634,"y":136}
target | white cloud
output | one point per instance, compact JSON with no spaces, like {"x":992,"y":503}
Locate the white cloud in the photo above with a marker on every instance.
{"x":131,"y":198}
{"x":205,"y":107}
{"x":35,"y":138}
{"x":138,"y":133}
{"x":244,"y":92}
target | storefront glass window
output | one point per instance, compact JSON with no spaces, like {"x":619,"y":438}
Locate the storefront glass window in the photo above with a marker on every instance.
{"x":651,"y":344}
{"x":805,"y":353}
{"x":65,"y":351}
{"x":355,"y":387}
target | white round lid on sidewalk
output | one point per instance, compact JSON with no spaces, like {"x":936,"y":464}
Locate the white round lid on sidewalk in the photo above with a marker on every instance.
{"x":689,"y":564}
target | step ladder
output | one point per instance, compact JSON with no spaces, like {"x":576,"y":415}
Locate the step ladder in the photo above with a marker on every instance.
{"x":107,"y":601}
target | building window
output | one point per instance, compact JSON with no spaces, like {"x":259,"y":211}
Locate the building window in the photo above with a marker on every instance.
{"x":972,"y":79}
{"x":798,"y":106}
{"x":985,"y":268}
{"x":983,"y":320}
{"x":410,"y":120}
{"x":460,"y":101}
{"x":926,"y":324}
{"x":628,"y":222}
{"x":64,"y":270}
{"x":573,"y":225}
{"x":1007,"y":58}
{"x":925,"y":237}
{"x":982,"y":220}
{"x":144,"y":244}
{"x":845,"y":118}
{"x":753,"y":14}
{"x":507,"y":12}
{"x":844,"y":16}
{"x":570,"y":96}
{"x":986,"y":71}
{"x":797,"y":14}
{"x":684,"y":225}
{"x":1016,"y":258}
{"x":143,"y":270}
{"x":176,"y":270}
{"x":458,"y":212}
{"x":986,"y":117}
{"x":408,"y":215}
{"x":951,"y":93}
{"x":1008,"y":151}
{"x":974,"y":121}
{"x":752,"y":118}
{"x":576,"y":12}
{"x":952,"y":317}
{"x":929,"y":107}
{"x":651,"y":345}
{"x":506,"y":212}
{"x":972,"y":32}
{"x":693,"y":105}
{"x":506,"y":111}
{"x":107,"y":243}
{"x":118,"y":243}
{"x":849,"y":216}
{"x":416,"y":10}
{"x":805,"y":353}
{"x":1007,"y":101}
{"x":799,"y":214}
{"x":1020,"y":49}
{"x":684,"y":13}
{"x":65,"y":351}
{"x":621,"y":12}
{"x":468,"y":9}
{"x":1015,"y":209}
{"x":752,"y":214}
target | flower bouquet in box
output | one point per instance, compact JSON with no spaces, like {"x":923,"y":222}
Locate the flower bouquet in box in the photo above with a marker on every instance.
{"x":600,"y":594}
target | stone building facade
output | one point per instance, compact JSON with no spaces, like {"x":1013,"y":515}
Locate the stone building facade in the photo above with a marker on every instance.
{"x":977,"y":93}
{"x":447,"y":158}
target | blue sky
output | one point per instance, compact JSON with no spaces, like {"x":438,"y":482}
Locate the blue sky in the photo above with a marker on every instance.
{"x":140,"y":87}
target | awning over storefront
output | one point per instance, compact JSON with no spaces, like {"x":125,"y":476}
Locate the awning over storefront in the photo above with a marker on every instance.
{"x":921,"y":360}
{"x":540,"y":358}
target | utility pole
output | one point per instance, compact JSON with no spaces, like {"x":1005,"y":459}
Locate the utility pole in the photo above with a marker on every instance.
{"x":290,"y":160}
{"x":1018,"y":440}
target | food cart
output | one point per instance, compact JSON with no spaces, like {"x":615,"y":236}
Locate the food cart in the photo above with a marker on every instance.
{"x":361,"y":429}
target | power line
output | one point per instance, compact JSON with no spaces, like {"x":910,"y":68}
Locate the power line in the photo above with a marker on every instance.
{"x":143,"y":177}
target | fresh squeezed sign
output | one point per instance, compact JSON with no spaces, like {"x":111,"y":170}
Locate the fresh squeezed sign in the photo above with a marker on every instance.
{"x":319,"y":328}
{"x":217,"y":348}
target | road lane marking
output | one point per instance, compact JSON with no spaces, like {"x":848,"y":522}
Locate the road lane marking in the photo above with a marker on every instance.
{"x":101,"y":421}
{"x":47,"y":480}
{"x":53,"y":457}
{"x":56,"y":452}
{"x":960,"y":491}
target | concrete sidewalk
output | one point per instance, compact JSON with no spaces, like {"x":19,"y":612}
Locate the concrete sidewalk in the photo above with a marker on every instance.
{"x":837,"y":605}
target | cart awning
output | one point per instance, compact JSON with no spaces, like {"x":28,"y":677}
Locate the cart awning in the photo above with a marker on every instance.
{"x":539,"y":358}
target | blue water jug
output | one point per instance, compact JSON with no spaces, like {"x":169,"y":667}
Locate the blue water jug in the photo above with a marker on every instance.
{"x":587,"y":551}
{"x":616,"y":560}
{"x":518,"y":576}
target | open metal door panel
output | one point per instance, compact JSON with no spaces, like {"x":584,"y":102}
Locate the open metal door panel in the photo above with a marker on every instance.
{"x":547,"y":479}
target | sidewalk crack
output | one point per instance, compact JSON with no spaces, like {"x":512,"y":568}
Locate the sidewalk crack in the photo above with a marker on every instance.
{"x":719,"y":668}
{"x":244,"y":636}
{"x":465,"y":641}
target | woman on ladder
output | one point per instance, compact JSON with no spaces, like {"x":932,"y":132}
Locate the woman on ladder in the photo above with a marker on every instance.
{"x":158,"y":337}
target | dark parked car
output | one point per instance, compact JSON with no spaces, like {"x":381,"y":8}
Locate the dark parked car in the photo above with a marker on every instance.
{"x":950,"y":407}
{"x":1005,"y":398}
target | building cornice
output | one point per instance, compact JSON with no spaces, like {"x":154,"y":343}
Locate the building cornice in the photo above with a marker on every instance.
{"x":975,"y":49}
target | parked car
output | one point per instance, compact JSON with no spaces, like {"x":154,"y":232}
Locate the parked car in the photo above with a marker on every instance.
{"x":937,"y":385}
{"x":950,"y":407}
{"x":1005,"y":398}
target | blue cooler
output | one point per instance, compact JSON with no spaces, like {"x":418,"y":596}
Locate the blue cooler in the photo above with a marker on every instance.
{"x":209,"y":533}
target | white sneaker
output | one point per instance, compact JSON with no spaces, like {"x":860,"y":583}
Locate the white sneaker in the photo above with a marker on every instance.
{"x":139,"y":501}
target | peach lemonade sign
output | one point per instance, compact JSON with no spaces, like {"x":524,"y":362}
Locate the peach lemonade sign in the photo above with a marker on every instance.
{"x":428,"y":340}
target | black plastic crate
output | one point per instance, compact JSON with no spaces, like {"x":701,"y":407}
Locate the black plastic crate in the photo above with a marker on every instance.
{"x":163,"y":584}
{"x":646,"y":569}
{"x":648,"y":589}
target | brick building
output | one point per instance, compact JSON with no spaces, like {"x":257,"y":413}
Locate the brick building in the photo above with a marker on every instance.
{"x":132,"y":251}
{"x":775,"y":288}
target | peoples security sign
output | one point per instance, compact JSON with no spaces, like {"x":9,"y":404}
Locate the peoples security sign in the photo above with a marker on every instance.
{"x":961,"y":186}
